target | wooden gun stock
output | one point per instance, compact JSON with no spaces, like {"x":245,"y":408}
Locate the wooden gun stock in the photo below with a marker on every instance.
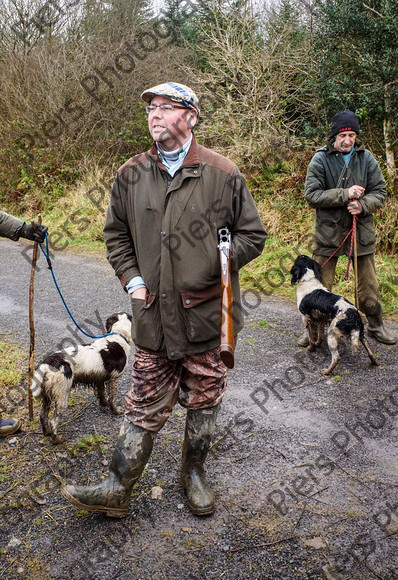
{"x":227,"y":324}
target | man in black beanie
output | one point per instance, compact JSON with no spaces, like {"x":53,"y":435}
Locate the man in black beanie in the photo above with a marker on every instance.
{"x":344,"y":180}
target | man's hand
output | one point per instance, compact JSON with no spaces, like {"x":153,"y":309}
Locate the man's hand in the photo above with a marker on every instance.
{"x":36,"y":234}
{"x":139,"y":293}
{"x":355,"y":207}
{"x":355,"y":192}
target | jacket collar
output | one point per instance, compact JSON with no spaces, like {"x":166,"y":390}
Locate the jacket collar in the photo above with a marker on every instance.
{"x":191,"y":158}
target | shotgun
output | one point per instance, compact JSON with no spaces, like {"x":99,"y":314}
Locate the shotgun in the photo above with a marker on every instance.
{"x":227,"y":323}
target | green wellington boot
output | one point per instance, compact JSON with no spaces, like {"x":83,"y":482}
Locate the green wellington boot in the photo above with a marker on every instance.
{"x":199,"y":428}
{"x":377,"y":330}
{"x":112,"y":496}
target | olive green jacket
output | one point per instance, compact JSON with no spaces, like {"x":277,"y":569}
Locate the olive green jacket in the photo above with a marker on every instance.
{"x":165,"y":229}
{"x":10,"y":226}
{"x":326,"y":189}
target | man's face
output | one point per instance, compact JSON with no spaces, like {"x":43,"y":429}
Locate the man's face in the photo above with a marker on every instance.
{"x":171,"y":129}
{"x":345,"y":141}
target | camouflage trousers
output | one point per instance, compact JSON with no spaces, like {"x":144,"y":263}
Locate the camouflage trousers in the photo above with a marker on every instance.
{"x":196,"y":382}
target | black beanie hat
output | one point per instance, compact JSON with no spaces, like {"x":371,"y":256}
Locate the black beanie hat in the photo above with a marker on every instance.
{"x":344,"y":121}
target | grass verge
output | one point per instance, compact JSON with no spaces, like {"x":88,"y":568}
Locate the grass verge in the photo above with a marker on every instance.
{"x":12,"y":359}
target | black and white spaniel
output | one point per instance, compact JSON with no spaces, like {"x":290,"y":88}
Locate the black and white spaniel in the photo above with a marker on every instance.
{"x":99,"y":365}
{"x":321,"y":308}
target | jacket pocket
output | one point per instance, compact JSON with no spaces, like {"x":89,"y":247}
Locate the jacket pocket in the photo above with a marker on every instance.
{"x":327,"y":231}
{"x":202,"y":313}
{"x":366,"y":231}
{"x":146,"y":328}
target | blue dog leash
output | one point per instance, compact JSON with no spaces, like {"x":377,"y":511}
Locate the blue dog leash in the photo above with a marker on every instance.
{"x":46,"y":253}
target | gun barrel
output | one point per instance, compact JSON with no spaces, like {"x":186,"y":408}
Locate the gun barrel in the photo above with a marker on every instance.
{"x":227,"y":325}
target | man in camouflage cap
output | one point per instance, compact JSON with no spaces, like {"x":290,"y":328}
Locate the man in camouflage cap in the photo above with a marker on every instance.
{"x":174,"y":92}
{"x":161,"y":236}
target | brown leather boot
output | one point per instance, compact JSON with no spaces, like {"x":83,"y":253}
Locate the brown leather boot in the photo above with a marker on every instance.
{"x":377,"y":330}
{"x":112,"y":496}
{"x":9,"y":426}
{"x":199,"y":428}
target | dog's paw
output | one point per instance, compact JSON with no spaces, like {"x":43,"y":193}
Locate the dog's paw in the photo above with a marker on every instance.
{"x":116,"y":410}
{"x":311,"y":347}
{"x":57,"y":439}
{"x":326,"y":372}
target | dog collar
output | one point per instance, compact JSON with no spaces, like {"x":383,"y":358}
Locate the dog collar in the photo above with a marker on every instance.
{"x":124,"y":338}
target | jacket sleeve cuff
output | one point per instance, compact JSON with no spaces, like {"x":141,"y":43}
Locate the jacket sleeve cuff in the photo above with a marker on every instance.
{"x":365,"y":210}
{"x":134,"y":284}
{"x":18,"y":232}
{"x":127,"y":276}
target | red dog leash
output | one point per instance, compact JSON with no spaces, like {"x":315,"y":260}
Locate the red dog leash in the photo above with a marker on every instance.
{"x":352,"y":234}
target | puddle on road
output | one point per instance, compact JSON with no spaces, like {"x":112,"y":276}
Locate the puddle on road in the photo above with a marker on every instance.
{"x":7,"y":306}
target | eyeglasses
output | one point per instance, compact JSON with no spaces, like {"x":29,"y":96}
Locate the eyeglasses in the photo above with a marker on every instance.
{"x":163,"y":108}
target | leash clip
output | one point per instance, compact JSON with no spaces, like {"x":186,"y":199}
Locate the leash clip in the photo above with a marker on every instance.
{"x":46,"y":254}
{"x":50,"y":266}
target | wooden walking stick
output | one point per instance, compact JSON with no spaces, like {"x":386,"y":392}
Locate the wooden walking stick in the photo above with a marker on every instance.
{"x":32,"y":323}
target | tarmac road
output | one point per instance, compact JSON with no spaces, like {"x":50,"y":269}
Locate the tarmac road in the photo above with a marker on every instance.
{"x":88,"y":284}
{"x":305,"y":468}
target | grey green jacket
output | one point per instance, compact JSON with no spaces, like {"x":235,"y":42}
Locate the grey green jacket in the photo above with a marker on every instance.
{"x":10,"y":226}
{"x":165,"y":229}
{"x":326,"y":189}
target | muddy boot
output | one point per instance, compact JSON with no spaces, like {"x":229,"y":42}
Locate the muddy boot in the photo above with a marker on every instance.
{"x":377,"y":330}
{"x":112,"y":496}
{"x":199,"y":428}
{"x":303,"y":340}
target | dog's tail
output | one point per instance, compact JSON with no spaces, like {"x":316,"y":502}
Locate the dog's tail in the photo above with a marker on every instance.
{"x":50,"y":373}
{"x":37,"y":382}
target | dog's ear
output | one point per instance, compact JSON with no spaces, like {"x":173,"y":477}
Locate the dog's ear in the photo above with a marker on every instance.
{"x":114,"y":318}
{"x":295,"y":272}
{"x":110,"y":322}
{"x":317,"y":271}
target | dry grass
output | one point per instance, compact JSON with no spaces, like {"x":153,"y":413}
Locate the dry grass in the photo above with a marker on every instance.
{"x":77,"y":219}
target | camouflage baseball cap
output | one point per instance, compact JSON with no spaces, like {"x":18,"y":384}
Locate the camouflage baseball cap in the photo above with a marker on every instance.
{"x":175,"y":92}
